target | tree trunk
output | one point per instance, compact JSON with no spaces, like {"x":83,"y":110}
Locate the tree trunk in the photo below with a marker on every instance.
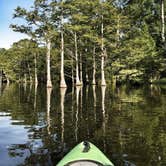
{"x":25,"y":78}
{"x":103,"y":83}
{"x":62,"y":82}
{"x":8,"y":81}
{"x":49,"y":83}
{"x":35,"y":62}
{"x":1,"y":74}
{"x":94,"y":68}
{"x":30,"y":77}
{"x":72,"y":72}
{"x":81,"y":69}
{"x":163,"y":21}
{"x":78,"y":83}
{"x":118,"y":31}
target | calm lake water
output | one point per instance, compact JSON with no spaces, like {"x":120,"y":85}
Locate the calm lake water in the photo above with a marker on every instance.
{"x":38,"y":126}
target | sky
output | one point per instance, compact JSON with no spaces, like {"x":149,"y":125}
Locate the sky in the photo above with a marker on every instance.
{"x":7,"y":36}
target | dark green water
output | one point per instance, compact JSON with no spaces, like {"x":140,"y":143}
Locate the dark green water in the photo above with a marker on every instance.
{"x":38,"y":126}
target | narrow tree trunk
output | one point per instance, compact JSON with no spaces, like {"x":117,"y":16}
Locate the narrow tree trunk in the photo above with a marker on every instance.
{"x":25,"y":78}
{"x":103,"y":83}
{"x":118,"y":32}
{"x":72,"y":72}
{"x":30,"y":77}
{"x":35,"y":62}
{"x":49,"y":83}
{"x":87,"y":77}
{"x":1,"y":74}
{"x":62,"y":82}
{"x":8,"y":81}
{"x":163,"y":21}
{"x":81,"y":69}
{"x":86,"y":69}
{"x":78,"y":83}
{"x":94,"y":67}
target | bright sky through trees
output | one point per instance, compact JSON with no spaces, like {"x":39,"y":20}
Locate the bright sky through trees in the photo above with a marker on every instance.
{"x":7,"y":36}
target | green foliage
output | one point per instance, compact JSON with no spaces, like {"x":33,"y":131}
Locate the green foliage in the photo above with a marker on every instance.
{"x":131,"y":37}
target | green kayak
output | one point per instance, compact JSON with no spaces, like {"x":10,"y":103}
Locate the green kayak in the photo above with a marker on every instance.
{"x":85,"y":154}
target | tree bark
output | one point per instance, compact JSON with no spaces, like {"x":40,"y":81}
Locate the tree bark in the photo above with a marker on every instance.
{"x":49,"y":83}
{"x":78,"y":83}
{"x":62,"y":82}
{"x":163,"y":21}
{"x":30,"y":77}
{"x":80,"y":68}
{"x":1,"y":74}
{"x":35,"y":62}
{"x":94,"y":67}
{"x":25,"y":78}
{"x":118,"y":31}
{"x":72,"y":72}
{"x":103,"y":83}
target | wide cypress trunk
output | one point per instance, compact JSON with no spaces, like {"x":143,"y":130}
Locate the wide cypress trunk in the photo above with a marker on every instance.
{"x":49,"y":83}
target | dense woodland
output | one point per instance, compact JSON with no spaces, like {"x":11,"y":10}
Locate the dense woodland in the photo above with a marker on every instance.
{"x":75,"y":42}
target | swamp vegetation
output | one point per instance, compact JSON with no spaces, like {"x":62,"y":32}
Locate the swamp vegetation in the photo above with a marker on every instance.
{"x":91,"y":41}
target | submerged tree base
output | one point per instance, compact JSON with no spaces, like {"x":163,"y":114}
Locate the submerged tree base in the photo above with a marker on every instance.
{"x":49,"y":84}
{"x":79,"y":84}
{"x":63,"y":85}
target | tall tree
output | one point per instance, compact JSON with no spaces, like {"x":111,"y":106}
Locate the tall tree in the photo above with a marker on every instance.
{"x":62,"y":81}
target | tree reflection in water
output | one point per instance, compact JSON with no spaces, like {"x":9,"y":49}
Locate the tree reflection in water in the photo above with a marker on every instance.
{"x":131,"y":123}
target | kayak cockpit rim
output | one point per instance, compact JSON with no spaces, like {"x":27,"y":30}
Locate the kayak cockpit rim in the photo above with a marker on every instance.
{"x":85,"y":162}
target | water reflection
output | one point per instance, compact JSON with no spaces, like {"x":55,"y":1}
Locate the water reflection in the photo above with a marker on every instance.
{"x":35,"y":96}
{"x":49,"y":91}
{"x":94,"y":103}
{"x":44,"y":125}
{"x":77,"y":112}
{"x":103,"y":89}
{"x":62,"y":93}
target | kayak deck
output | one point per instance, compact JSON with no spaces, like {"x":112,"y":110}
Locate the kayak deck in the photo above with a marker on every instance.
{"x":85,"y":154}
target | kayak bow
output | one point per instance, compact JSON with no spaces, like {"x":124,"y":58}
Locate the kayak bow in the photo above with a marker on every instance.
{"x":85,"y":154}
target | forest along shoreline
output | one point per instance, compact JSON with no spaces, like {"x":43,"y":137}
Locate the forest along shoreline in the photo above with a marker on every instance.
{"x":91,"y":41}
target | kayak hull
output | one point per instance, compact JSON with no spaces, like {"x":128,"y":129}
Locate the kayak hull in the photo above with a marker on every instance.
{"x":85,"y":153}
